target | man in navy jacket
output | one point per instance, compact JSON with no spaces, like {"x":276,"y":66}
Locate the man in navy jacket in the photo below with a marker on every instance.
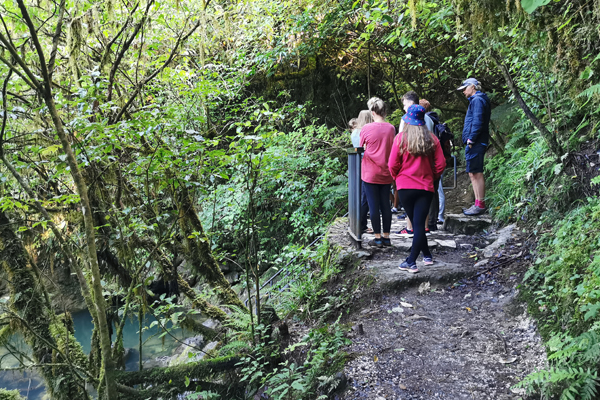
{"x":476,"y":136}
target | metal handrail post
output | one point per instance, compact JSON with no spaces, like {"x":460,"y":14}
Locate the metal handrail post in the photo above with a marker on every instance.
{"x":455,"y":179}
{"x":354,"y":195}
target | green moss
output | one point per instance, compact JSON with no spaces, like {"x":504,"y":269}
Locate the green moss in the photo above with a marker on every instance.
{"x":177,"y":375}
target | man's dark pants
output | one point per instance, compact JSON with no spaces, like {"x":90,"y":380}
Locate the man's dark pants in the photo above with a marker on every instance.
{"x":364,"y":207}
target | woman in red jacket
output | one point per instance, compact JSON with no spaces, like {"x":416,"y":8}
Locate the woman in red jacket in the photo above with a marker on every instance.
{"x":415,"y":162}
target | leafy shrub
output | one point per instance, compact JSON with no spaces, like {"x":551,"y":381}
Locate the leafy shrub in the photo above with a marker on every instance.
{"x":565,"y":289}
{"x":526,"y":181}
{"x":290,"y":380}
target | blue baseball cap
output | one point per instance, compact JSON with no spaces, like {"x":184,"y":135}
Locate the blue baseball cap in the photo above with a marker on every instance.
{"x":469,"y":82}
{"x":415,"y":115}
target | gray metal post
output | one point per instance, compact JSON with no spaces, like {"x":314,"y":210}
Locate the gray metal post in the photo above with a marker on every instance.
{"x":354,"y":195}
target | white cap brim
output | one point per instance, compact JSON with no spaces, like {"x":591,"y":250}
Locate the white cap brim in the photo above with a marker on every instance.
{"x":463,"y":87}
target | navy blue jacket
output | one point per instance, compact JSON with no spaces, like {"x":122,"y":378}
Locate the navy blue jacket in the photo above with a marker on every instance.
{"x":477,"y":121}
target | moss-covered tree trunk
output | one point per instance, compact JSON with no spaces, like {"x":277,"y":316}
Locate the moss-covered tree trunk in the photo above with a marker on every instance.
{"x":199,"y":252}
{"x":46,"y":334}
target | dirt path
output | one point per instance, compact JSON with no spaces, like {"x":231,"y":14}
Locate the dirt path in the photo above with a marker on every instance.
{"x":454,"y":331}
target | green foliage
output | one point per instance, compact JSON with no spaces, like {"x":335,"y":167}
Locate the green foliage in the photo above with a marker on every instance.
{"x":565,"y":290}
{"x":290,"y":381}
{"x":524,"y":180}
{"x":531,"y":5}
{"x":10,"y":395}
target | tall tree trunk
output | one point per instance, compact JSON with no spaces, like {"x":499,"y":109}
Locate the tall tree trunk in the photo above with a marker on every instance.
{"x":107,"y":365}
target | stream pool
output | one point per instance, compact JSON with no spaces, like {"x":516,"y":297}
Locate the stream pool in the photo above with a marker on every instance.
{"x":32,"y":386}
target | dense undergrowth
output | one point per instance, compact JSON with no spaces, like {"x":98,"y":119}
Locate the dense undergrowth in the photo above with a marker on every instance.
{"x":564,"y":291}
{"x":546,"y":195}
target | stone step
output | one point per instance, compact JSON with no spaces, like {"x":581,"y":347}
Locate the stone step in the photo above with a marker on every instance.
{"x":467,"y":225}
{"x":391,"y":278}
{"x":404,"y":244}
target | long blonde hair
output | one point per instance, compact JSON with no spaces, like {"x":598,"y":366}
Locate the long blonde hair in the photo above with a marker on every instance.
{"x":364,"y":117}
{"x":417,"y":140}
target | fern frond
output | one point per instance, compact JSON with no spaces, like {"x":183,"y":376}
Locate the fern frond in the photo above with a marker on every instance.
{"x":236,"y":346}
{"x":589,"y":92}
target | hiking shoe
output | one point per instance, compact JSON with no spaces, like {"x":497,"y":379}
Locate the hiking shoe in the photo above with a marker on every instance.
{"x":427,"y":232}
{"x":394,"y":210}
{"x":386,"y":242}
{"x":474,"y":210}
{"x":402,"y":216}
{"x":433,"y":228}
{"x":376,"y":243}
{"x":428,"y":260}
{"x":412,"y":268}
{"x":368,"y":230}
{"x":406,"y":233}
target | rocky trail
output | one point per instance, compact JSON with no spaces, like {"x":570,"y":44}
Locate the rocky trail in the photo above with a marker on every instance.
{"x":456,"y":330}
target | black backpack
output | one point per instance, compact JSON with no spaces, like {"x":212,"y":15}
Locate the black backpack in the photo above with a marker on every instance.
{"x":443,"y":133}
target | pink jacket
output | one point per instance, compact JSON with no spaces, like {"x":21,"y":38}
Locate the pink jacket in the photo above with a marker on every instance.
{"x":378,"y":138}
{"x":412,"y":172}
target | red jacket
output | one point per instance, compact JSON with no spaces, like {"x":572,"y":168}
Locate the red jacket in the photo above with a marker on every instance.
{"x":412,"y":172}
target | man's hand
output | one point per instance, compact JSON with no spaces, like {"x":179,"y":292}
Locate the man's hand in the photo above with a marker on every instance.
{"x":470,"y":143}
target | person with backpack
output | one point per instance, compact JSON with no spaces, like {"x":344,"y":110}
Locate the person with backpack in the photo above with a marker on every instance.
{"x":416,"y":162}
{"x":476,"y":136}
{"x":377,"y":138}
{"x":445,"y":136}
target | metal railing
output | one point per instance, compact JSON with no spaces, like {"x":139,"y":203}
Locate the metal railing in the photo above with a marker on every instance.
{"x":354,"y":195}
{"x":283,"y":273}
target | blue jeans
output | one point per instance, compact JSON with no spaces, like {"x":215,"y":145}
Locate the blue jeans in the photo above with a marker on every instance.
{"x":378,"y":197}
{"x":442,"y":199}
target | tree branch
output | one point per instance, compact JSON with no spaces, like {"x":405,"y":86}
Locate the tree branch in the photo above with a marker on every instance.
{"x":547,"y":135}
{"x":180,"y":40}
{"x":125,"y":47}
{"x":55,"y":39}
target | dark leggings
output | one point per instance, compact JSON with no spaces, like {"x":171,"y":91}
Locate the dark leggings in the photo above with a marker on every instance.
{"x":416,"y":204}
{"x":378,"y":197}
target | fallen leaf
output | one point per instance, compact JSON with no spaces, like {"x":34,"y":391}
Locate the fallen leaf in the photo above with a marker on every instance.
{"x":400,"y":350}
{"x":401,"y":386}
{"x":396,"y":309}
{"x":407,"y":305}
{"x":375,"y":358}
{"x":468,"y":309}
{"x":423,"y":287}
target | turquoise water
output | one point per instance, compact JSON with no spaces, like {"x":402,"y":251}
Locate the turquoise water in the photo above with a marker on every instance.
{"x":31,"y":385}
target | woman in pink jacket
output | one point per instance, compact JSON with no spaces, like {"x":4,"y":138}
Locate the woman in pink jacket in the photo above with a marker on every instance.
{"x":415,"y":162}
{"x":377,"y":138}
